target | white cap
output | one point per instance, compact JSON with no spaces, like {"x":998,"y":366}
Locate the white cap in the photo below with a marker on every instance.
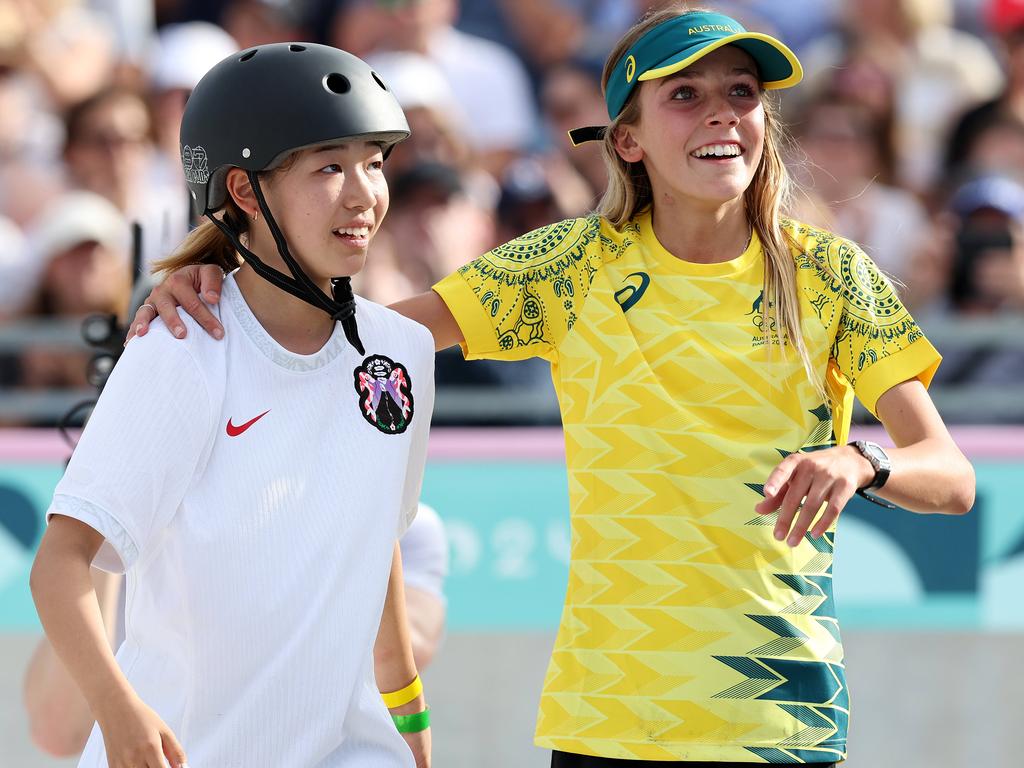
{"x":183,"y":53}
{"x":415,"y":80}
{"x":77,"y":217}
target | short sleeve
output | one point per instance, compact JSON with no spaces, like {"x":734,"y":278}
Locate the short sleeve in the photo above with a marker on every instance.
{"x":521,"y":299}
{"x":140,"y":449}
{"x":425,"y":553}
{"x":877,"y":343}
{"x":417,"y":461}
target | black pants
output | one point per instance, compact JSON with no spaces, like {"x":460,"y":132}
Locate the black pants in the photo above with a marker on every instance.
{"x":566,"y":760}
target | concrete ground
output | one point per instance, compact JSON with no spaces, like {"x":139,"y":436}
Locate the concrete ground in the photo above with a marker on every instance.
{"x":920,"y":700}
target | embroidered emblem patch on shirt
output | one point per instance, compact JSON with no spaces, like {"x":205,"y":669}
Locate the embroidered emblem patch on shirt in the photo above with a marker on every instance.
{"x":385,"y":394}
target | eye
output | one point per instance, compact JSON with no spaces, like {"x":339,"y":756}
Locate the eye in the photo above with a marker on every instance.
{"x":743,"y":90}
{"x":332,"y":168}
{"x":377,"y":165}
{"x":683,"y":93}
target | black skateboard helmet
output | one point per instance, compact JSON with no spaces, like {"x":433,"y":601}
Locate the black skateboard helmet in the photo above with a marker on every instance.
{"x":258,"y":106}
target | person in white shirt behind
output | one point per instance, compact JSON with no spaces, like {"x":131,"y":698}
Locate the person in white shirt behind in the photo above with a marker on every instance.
{"x":253,"y":497}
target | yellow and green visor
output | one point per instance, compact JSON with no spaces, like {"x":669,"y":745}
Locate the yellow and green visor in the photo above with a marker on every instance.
{"x":678,"y":43}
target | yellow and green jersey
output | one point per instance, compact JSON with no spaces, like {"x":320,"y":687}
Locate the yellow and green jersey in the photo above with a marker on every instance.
{"x":689,"y":632}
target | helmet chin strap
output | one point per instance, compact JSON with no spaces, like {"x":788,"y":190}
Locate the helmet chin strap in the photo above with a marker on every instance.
{"x":341,"y":306}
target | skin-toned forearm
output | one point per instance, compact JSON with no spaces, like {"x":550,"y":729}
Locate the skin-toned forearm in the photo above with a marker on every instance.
{"x":70,"y":613}
{"x":58,"y":714}
{"x":930,"y":474}
{"x":394,"y":663}
{"x":430,"y":310}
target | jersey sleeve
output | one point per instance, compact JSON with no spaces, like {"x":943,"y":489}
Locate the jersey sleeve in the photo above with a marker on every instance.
{"x":140,"y":449}
{"x":521,"y":299}
{"x":877,"y":343}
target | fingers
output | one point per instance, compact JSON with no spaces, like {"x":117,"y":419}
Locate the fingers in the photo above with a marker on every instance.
{"x":172,"y":750}
{"x":211,"y":278}
{"x":839,"y":497}
{"x":813,"y":500}
{"x":777,"y":484}
{"x":799,"y":485}
{"x":183,"y":286}
{"x":140,"y":323}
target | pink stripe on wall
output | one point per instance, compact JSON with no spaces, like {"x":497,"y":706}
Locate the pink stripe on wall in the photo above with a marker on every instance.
{"x":525,"y":444}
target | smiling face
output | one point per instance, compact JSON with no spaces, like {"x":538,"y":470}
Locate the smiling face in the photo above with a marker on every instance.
{"x":329,"y":202}
{"x":701,"y":131}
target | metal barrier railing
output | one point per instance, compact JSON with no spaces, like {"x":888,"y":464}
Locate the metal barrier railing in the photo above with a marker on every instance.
{"x":506,"y":405}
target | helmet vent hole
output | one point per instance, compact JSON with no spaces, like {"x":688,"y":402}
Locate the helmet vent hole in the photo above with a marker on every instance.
{"x":379,"y":81}
{"x":296,"y":48}
{"x":248,"y":54}
{"x":336,"y":83}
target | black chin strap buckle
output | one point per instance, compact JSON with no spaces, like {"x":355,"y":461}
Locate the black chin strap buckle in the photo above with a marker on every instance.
{"x":341,"y":289}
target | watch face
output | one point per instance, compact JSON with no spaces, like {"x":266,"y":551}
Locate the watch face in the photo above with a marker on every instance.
{"x":876,"y":454}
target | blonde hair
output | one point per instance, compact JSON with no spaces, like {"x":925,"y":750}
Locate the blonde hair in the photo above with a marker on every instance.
{"x":206,"y":244}
{"x":629,"y":192}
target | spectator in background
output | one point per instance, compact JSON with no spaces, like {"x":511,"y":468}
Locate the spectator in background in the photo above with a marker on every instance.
{"x":997,"y":147}
{"x":987,"y":278}
{"x":79,"y":250}
{"x":571,"y":97}
{"x":181,"y":55}
{"x":846,"y":146}
{"x":988,"y":274}
{"x":940,"y":71}
{"x":488,"y":81}
{"x":258,"y":22}
{"x":1006,"y":19}
{"x":31,"y":137}
{"x":109,"y":151}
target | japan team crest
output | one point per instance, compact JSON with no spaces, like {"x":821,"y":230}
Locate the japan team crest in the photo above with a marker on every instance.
{"x":385,"y":394}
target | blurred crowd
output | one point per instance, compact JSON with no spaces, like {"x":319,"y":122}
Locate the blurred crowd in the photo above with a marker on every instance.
{"x":908,"y":137}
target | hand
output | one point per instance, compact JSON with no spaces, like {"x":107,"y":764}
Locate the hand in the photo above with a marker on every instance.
{"x":419,"y":745}
{"x":134,"y":736}
{"x":183,"y":289}
{"x":832,"y":475}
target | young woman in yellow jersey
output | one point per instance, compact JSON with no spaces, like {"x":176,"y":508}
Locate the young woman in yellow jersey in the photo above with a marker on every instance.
{"x":705,"y":350}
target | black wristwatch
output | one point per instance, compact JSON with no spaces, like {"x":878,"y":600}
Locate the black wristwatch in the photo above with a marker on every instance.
{"x":879,"y":459}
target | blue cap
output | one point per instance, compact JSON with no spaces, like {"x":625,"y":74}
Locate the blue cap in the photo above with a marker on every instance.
{"x":998,"y":193}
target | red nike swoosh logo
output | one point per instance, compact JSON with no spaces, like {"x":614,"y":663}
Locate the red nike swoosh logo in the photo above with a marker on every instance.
{"x":234,"y":431}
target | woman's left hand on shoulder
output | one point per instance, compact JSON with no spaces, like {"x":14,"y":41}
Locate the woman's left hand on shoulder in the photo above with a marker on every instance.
{"x":802,"y":482}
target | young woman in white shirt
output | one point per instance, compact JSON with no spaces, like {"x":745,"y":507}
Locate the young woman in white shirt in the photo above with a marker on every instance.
{"x":254,"y":497}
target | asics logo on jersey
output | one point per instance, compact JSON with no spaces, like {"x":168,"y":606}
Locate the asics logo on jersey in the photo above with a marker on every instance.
{"x":234,"y":431}
{"x":631,"y":294}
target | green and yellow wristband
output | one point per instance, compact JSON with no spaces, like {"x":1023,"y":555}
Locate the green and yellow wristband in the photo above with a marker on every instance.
{"x":414,"y":723}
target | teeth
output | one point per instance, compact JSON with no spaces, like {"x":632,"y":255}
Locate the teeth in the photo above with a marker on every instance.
{"x":354,"y":231}
{"x":718,"y":150}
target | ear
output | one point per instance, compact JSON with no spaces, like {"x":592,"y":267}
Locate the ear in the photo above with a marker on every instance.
{"x":238,"y":186}
{"x":626,"y":144}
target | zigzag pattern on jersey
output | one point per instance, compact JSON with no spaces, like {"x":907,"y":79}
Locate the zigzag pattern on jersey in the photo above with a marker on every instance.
{"x":873,"y":323}
{"x":651,"y":479}
{"x":516,"y":281}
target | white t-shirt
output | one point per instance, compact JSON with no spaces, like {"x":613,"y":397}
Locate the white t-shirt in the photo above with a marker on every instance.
{"x":253,"y":497}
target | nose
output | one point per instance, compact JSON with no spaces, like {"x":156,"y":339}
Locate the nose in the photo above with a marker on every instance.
{"x":721,"y":112}
{"x":358,"y":193}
